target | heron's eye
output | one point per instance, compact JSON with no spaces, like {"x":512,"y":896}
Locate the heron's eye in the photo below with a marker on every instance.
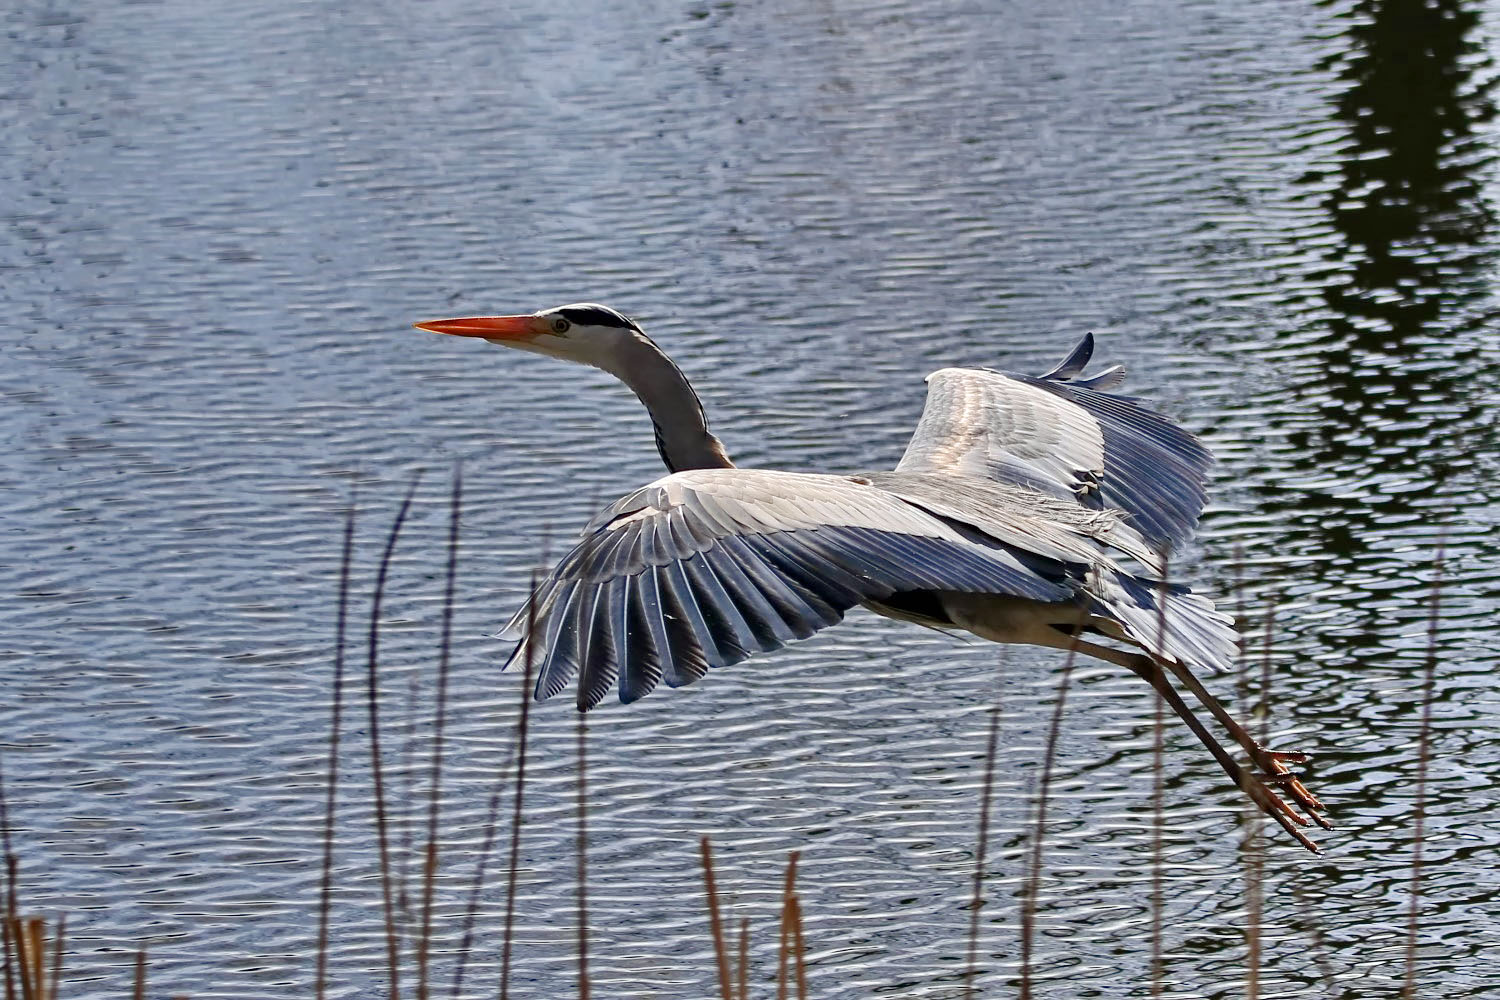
{"x":560,"y":325}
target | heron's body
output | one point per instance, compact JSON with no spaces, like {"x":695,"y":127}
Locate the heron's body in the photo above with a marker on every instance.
{"x":1036,"y":510}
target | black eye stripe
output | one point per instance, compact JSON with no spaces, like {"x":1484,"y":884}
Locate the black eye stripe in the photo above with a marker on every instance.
{"x":595,"y":316}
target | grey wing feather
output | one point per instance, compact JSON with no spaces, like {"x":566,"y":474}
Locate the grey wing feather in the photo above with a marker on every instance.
{"x":1075,"y":362}
{"x":705,"y":568}
{"x":1065,"y":436}
{"x":1169,"y":620}
{"x":1153,"y":469}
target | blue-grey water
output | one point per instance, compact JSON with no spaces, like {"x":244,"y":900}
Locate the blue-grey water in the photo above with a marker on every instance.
{"x":221,"y":219}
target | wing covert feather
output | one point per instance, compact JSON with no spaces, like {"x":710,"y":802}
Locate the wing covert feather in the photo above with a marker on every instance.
{"x":1066,"y":437}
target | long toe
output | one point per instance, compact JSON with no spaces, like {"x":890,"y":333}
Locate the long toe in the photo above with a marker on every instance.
{"x":1274,"y":763}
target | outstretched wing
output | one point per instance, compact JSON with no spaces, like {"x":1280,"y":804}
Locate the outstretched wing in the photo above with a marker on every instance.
{"x":703,"y":568}
{"x":1064,"y":436}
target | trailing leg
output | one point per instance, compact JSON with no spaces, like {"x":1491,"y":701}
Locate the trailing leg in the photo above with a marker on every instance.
{"x":1270,"y":803}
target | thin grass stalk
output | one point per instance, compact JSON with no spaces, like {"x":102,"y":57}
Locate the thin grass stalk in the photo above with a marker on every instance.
{"x":1319,"y":944}
{"x":392,"y":940}
{"x":10,"y":959}
{"x":1424,"y":751}
{"x":37,"y":926}
{"x":59,"y":938}
{"x":783,"y":949}
{"x":1251,"y":846}
{"x":4,"y":814}
{"x":1254,"y":846}
{"x":583,"y":864}
{"x":799,"y":947}
{"x":1255,"y":908}
{"x":983,"y":838}
{"x":1242,"y":662}
{"x":1253,"y":850}
{"x":335,"y":729}
{"x":36,"y":956}
{"x":11,"y":952}
{"x":435,"y":778}
{"x":721,"y":958}
{"x":518,"y":809}
{"x":21,"y":934}
{"x":491,"y":829}
{"x":11,"y":868}
{"x":405,"y":758}
{"x":1158,"y":790}
{"x":1263,"y":706}
{"x":744,"y":962}
{"x":783,"y":953}
{"x":1034,"y":874}
{"x":12,"y":940}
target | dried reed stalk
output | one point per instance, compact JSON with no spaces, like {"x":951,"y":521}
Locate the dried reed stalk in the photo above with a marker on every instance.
{"x":721,"y":958}
{"x":1424,"y":752}
{"x":1158,"y":792}
{"x":435,"y":778}
{"x":377,"y":767}
{"x":335,"y":728}
{"x":784,"y":950}
{"x":508,"y":944}
{"x":1034,"y":874}
{"x":982,"y":840}
{"x":583,"y":865}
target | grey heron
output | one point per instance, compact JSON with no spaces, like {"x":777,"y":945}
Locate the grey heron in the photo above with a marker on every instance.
{"x":1026,"y":509}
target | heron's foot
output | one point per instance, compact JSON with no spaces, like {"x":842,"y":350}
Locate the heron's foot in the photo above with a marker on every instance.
{"x":1280,"y":810}
{"x":1274,"y":764}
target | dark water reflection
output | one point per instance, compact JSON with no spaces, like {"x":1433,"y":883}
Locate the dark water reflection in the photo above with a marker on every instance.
{"x":1398,"y":349}
{"x":218,"y":223}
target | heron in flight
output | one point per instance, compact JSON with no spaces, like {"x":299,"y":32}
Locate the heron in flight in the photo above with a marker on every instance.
{"x":1026,"y":509}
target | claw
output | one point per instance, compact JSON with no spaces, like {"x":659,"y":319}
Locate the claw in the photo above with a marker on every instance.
{"x":1289,"y":781}
{"x":1293,"y":756}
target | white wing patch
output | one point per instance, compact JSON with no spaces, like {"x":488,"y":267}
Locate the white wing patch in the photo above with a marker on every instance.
{"x":760,"y":502}
{"x":980,"y":423}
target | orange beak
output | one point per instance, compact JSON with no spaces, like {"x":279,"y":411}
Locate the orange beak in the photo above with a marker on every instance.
{"x":488,"y":327}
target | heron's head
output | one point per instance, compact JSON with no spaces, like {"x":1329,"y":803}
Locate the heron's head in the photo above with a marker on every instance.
{"x":583,"y":331}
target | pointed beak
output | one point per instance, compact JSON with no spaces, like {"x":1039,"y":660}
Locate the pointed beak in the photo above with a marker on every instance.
{"x":501,"y":328}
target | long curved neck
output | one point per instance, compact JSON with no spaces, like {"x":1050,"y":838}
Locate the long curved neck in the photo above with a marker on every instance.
{"x":682,"y":434}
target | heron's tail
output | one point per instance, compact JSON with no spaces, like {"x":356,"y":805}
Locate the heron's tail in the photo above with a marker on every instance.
{"x":1167,"y":620}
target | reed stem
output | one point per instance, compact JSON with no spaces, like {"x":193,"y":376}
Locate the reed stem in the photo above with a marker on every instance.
{"x":784,"y":950}
{"x":583,"y":864}
{"x":983,"y":838}
{"x":335,"y":730}
{"x":435,"y":778}
{"x":392,"y":940}
{"x":518,"y":810}
{"x":721,"y":958}
{"x":1034,"y":874}
{"x":1424,"y":752}
{"x":1158,"y":791}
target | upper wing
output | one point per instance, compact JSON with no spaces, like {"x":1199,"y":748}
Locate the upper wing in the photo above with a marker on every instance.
{"x":1067,"y":437}
{"x":705,"y":567}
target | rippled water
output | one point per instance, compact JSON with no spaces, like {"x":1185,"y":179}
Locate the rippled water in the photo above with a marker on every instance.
{"x":219,"y":223}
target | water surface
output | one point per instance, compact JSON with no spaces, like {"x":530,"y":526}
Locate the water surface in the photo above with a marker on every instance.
{"x":219,"y":223}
